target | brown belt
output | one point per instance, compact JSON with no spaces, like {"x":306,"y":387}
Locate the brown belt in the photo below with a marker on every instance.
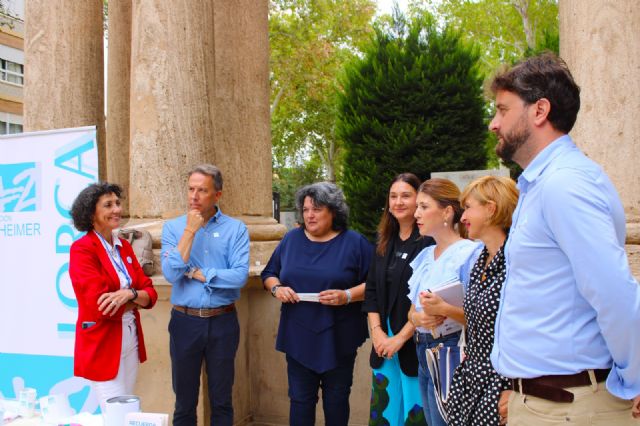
{"x":205,"y":312}
{"x":551,"y":388}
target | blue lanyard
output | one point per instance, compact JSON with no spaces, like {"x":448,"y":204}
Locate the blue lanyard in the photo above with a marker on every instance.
{"x":118,"y":262}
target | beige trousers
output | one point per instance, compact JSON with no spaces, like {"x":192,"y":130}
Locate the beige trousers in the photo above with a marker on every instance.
{"x":593,"y":405}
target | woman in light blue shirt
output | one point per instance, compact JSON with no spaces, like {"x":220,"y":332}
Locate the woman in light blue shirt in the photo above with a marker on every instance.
{"x":449,"y":260}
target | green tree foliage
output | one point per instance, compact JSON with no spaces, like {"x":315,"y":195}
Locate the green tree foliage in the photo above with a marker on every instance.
{"x":310,"y":41}
{"x":287,"y":180}
{"x":413,"y":103}
{"x":506,"y":29}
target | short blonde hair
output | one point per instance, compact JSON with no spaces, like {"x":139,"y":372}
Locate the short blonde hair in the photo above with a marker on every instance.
{"x":501,"y":191}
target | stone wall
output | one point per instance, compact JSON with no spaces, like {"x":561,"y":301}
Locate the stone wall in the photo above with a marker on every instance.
{"x":600,"y":45}
{"x":64,"y":73}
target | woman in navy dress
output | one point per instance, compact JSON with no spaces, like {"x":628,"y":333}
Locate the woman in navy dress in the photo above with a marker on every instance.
{"x":320,"y":338}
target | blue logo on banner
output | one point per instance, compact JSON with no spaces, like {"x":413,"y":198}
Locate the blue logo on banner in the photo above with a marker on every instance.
{"x":20,"y":187}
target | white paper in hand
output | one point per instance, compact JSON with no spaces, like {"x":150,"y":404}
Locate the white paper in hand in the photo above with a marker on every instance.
{"x":309,"y":297}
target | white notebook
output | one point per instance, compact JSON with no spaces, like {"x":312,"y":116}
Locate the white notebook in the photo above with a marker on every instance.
{"x":453,"y":293}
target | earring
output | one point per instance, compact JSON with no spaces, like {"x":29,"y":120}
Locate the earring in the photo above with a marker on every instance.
{"x":445,"y":223}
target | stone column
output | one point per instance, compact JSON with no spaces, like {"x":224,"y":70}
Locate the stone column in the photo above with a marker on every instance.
{"x":64,"y":77}
{"x":241,"y":104}
{"x":601,"y":44}
{"x":172,"y":77}
{"x":199,"y":93}
{"x":118,"y":77}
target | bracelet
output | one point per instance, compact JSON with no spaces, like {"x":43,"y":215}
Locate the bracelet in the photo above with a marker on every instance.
{"x":348,"y":293}
{"x":189,"y":230}
{"x":376,"y":326}
{"x":135,"y":293}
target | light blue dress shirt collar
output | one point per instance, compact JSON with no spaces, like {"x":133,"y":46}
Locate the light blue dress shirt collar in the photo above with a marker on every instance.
{"x":216,"y":217}
{"x":535,"y":169}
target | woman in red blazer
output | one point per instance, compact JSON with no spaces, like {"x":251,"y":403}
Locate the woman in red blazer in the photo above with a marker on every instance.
{"x":110,"y":286}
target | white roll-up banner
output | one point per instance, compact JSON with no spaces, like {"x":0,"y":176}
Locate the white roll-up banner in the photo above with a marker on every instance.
{"x":40,"y":175}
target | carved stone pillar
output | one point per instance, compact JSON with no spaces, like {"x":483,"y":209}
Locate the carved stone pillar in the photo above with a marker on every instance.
{"x":200,"y":93}
{"x":172,"y":79}
{"x":64,"y":77}
{"x":118,"y":77}
{"x":600,"y":45}
{"x":242,"y":144}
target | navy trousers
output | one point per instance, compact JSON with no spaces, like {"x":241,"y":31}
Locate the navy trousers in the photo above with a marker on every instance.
{"x":192,"y":340}
{"x":304,"y":384}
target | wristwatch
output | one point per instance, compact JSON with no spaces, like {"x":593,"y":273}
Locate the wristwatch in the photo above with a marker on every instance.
{"x":274,"y":289}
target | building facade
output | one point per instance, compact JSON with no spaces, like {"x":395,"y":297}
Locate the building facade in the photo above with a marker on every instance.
{"x":11,"y":67}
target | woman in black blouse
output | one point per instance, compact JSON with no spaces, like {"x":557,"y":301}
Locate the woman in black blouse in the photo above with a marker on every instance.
{"x":395,"y":390}
{"x":489,"y":203}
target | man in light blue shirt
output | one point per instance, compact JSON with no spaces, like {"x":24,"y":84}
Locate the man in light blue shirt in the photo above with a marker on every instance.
{"x":205,"y":256}
{"x":568,"y":326}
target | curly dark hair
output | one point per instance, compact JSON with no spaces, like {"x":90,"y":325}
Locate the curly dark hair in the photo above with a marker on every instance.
{"x":325,"y":194}
{"x":84,"y":206}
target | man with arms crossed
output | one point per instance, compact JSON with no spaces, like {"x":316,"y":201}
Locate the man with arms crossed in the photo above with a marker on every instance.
{"x":205,"y":255}
{"x":567,"y":327}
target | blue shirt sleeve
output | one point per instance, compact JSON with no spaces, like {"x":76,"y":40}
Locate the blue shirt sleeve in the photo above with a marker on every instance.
{"x":173,"y":267}
{"x":419,"y":265}
{"x":237,"y":272}
{"x":467,"y":266}
{"x":591,"y":242}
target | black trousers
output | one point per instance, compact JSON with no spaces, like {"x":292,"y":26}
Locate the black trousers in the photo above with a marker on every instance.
{"x":304,"y":384}
{"x":192,"y":340}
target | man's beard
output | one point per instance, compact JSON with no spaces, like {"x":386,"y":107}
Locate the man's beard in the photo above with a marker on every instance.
{"x":512,"y":141}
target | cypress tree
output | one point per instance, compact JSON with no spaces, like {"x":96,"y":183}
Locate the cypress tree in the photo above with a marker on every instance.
{"x":412,"y":103}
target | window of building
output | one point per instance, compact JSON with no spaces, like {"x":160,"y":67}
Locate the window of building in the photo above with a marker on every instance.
{"x":7,"y":128}
{"x":11,"y":72}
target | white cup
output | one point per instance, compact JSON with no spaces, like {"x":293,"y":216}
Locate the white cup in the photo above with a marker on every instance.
{"x":54,"y":408}
{"x":116,"y":409}
{"x":27,"y":402}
